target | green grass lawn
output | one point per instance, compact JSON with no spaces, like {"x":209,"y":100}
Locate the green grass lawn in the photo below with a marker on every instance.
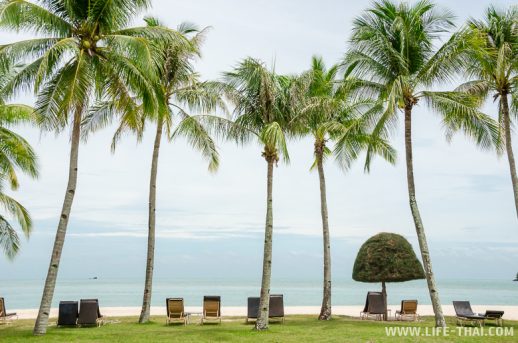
{"x":296,"y":329}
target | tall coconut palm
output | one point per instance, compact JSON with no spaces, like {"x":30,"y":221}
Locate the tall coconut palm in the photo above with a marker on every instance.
{"x":84,"y":50}
{"x":180,"y":93}
{"x":261,"y":99}
{"x":393,"y":54}
{"x":328,"y":111}
{"x":15,"y":154}
{"x":494,"y":69}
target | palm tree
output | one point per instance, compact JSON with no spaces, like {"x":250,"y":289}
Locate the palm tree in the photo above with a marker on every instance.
{"x":15,"y":153}
{"x":329,"y":112}
{"x":262,"y":112}
{"x":393,"y":55}
{"x":494,"y":68}
{"x":90,"y":52}
{"x":180,"y":92}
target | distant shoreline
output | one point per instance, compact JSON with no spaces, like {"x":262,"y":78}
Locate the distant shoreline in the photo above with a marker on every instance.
{"x":511,"y":312}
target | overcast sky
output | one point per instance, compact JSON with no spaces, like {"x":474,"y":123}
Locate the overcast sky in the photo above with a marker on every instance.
{"x":207,"y":220}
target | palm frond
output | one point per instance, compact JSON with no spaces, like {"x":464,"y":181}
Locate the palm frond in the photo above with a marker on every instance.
{"x":20,"y":213}
{"x":460,"y":113}
{"x":9,"y":240}
{"x":111,"y":15}
{"x":15,"y":152}
{"x":14,"y":114}
{"x":199,"y":138}
{"x":24,"y":15}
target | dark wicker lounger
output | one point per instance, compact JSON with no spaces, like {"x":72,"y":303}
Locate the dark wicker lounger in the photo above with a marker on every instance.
{"x":89,"y":313}
{"x":68,"y":313}
{"x":464,"y":314}
{"x":276,"y":307}
{"x":497,"y":316}
{"x":374,"y":306}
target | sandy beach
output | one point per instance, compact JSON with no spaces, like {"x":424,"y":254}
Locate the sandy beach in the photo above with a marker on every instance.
{"x":511,"y":312}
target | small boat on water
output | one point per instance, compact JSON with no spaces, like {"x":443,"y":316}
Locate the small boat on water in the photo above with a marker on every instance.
{"x":516,"y":278}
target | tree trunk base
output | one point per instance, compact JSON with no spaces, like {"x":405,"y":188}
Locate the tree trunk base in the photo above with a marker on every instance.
{"x":143,"y":319}
{"x":260,"y":326}
{"x":325,"y":314}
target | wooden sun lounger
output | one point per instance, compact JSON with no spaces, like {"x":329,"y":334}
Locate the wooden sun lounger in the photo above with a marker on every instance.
{"x":211,"y":308}
{"x":408,"y":310}
{"x":175,"y":311}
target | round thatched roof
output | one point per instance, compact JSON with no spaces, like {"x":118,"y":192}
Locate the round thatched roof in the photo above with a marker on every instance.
{"x":387,"y":257}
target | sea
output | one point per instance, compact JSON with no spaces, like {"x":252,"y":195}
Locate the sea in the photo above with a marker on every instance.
{"x":26,"y":294}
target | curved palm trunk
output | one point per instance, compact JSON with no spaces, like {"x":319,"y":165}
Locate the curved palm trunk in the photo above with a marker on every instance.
{"x":264,"y":302}
{"x":325,"y":309}
{"x":509,"y":148}
{"x":421,"y":236}
{"x":148,"y":285}
{"x":40,"y":327}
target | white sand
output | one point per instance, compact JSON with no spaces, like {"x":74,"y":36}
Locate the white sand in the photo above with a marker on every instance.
{"x":511,"y":312}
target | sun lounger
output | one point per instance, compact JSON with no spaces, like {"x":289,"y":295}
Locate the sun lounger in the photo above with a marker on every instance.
{"x":276,"y":307}
{"x":68,"y":313}
{"x":252,"y":308}
{"x":374,"y":306}
{"x":211,"y":308}
{"x":408,"y":310}
{"x":175,"y":311}
{"x":4,"y":316}
{"x":464,"y":314}
{"x":89,"y":313}
{"x":497,"y":316}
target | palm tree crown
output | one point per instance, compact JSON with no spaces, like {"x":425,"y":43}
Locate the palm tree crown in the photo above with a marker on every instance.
{"x":262,"y":107}
{"x":393,"y":54}
{"x":494,"y":64}
{"x":328,"y":109}
{"x":68,"y":66}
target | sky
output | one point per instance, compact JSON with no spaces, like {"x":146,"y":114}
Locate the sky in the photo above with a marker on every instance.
{"x":213,"y":224}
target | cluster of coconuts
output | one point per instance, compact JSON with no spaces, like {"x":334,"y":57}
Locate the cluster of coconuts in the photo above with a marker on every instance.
{"x":88,"y":43}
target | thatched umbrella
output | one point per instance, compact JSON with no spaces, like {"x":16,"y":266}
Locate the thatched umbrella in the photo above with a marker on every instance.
{"x":387,"y":257}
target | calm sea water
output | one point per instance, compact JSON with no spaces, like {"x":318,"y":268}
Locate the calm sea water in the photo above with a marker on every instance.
{"x":26,"y":294}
